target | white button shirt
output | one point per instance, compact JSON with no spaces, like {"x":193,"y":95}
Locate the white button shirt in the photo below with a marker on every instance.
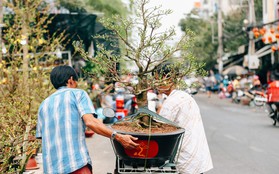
{"x":194,"y":156}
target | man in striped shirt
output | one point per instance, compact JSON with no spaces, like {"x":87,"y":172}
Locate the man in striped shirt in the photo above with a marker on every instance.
{"x":179,"y":107}
{"x":62,"y":119}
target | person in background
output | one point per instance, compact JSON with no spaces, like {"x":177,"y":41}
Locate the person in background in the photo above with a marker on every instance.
{"x":257,"y":85}
{"x":62,"y":119}
{"x":225,"y":81}
{"x":273,"y":90}
{"x":223,"y":87}
{"x":243,"y":82}
{"x":208,"y":83}
{"x":180,"y":108}
{"x":236,"y":83}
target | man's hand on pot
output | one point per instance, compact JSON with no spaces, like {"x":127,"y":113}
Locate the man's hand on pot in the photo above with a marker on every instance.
{"x":127,"y":141}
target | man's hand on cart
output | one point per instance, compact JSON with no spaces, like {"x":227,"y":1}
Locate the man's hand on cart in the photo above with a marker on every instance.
{"x":127,"y":141}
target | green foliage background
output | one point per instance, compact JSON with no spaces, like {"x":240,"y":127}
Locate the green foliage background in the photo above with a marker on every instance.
{"x":24,"y":80}
{"x":206,"y":44}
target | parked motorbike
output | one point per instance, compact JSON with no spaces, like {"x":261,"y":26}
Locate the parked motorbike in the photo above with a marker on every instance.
{"x":258,"y":98}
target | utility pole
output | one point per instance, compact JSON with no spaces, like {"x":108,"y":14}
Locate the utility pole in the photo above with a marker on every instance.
{"x":220,"y":37}
{"x":252,"y":22}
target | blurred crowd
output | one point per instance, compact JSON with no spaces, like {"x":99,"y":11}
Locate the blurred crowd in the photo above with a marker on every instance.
{"x":226,"y":85}
{"x":105,"y":94}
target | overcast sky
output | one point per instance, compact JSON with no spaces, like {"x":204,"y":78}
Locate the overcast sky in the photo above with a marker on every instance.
{"x":179,"y":8}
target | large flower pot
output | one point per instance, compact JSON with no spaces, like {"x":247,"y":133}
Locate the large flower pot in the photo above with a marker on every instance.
{"x":31,"y":164}
{"x":154,"y":150}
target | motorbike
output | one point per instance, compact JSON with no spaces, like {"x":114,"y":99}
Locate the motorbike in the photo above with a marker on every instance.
{"x":258,"y":98}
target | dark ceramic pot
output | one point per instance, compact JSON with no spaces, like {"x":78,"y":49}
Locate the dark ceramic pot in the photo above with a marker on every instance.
{"x":154,"y":150}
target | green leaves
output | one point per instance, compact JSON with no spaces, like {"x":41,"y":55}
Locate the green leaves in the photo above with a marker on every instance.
{"x":205,"y":43}
{"x":24,"y":80}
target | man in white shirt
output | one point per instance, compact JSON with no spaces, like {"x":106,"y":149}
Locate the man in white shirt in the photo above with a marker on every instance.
{"x":181,"y":108}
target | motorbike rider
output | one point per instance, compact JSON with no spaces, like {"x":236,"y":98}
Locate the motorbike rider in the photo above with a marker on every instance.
{"x":273,"y":94}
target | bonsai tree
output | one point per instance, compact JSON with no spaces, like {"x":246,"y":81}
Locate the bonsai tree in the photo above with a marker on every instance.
{"x":24,"y":67}
{"x":144,"y":47}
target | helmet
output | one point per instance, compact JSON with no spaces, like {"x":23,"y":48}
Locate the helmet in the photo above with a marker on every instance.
{"x":226,"y":77}
{"x":256,"y":77}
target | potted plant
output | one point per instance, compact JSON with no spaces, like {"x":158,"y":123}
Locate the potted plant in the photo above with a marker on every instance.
{"x":159,"y":140}
{"x":147,"y":52}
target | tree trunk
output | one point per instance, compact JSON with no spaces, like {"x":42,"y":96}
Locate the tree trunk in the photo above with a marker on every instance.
{"x":142,"y":99}
{"x":25,"y":85}
{"x":142,"y":96}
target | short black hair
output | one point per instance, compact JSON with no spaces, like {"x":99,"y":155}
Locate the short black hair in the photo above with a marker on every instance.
{"x":166,"y":69}
{"x":60,"y":75}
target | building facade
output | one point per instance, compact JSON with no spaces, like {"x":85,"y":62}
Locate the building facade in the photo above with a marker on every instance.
{"x":208,"y":8}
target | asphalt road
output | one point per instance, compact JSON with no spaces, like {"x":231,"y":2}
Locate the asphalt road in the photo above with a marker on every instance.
{"x":242,"y":139}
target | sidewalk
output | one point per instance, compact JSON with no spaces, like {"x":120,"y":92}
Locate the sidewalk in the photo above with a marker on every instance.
{"x":100,"y":150}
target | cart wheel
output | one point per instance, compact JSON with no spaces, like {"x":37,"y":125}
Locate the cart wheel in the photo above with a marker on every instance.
{"x":258,"y":100}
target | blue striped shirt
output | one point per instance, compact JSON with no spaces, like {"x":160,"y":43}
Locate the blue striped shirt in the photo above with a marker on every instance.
{"x":61,"y":128}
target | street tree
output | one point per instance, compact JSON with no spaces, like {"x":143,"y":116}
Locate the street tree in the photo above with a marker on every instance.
{"x":204,"y":47}
{"x":205,"y":44}
{"x":28,"y":55}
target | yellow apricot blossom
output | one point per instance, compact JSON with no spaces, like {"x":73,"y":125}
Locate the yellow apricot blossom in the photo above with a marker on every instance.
{"x":4,"y":80}
{"x":41,"y":41}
